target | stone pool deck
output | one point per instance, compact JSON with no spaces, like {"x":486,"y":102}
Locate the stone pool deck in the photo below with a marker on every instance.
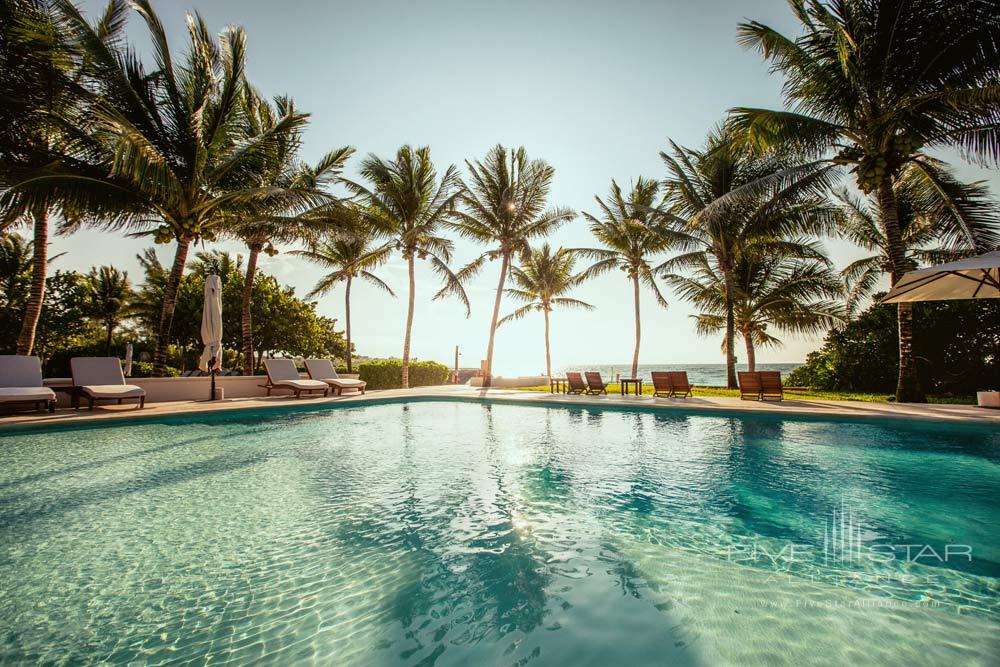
{"x":831,"y":409}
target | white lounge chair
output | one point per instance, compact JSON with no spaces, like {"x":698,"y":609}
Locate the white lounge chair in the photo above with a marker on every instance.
{"x":282,"y":374}
{"x":101,"y":379}
{"x":21,"y":382}
{"x":323,"y":370}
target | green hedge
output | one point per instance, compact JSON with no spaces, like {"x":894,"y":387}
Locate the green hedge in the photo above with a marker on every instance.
{"x":388,"y":373}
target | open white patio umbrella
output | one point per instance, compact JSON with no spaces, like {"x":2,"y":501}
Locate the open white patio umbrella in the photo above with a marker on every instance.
{"x":972,"y":278}
{"x":211,"y":329}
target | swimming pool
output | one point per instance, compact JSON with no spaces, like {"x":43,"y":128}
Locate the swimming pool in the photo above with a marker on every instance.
{"x":454,"y":533}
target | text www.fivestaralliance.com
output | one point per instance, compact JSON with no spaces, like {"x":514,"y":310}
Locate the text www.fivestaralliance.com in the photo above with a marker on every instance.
{"x":886,"y":603}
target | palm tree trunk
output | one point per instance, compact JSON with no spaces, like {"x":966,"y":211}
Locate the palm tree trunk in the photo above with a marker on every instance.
{"x":638,"y":326}
{"x":347,"y":321}
{"x":730,"y":331}
{"x":548,"y":356}
{"x":409,"y":325}
{"x":907,"y":385}
{"x":167,"y":311}
{"x":504,"y":268}
{"x":107,"y":347}
{"x":751,"y":352}
{"x":39,"y":265}
{"x":248,"y":365}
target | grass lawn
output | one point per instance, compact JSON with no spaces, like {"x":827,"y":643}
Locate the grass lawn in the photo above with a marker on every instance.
{"x":806,"y":394}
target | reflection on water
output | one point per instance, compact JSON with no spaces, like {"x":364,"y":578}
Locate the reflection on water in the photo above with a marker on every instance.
{"x":446,"y":533}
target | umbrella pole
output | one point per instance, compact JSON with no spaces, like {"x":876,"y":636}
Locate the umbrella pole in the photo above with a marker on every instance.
{"x":212,"y":366}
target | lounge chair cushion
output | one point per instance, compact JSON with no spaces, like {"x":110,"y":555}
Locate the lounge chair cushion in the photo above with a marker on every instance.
{"x":113,"y":390}
{"x":323,"y":370}
{"x":280,"y":369}
{"x":97,"y":371}
{"x":344,"y":382}
{"x":17,"y":394}
{"x":17,"y":370}
{"x":301,"y":385}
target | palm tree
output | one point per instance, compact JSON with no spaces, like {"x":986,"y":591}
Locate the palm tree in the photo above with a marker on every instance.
{"x":868,"y":85}
{"x":217,"y":262}
{"x":504,"y":206}
{"x":632,"y":230}
{"x":15,"y":266}
{"x":724,"y":202}
{"x":937,"y":224}
{"x":148,"y":298}
{"x":39,"y":126}
{"x":543,"y":280}
{"x":349,"y":256}
{"x":409,"y":204}
{"x":108,"y":298}
{"x":181,"y":162}
{"x":266,"y":223}
{"x":793,"y":294}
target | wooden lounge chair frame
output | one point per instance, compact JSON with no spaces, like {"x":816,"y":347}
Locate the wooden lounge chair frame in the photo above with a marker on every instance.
{"x":661,"y":384}
{"x":91,"y":400}
{"x":268,"y":386}
{"x":43,"y":405}
{"x":749,"y":384}
{"x":680,"y":387}
{"x":575,"y":383}
{"x":595,"y":385}
{"x":770,"y":385}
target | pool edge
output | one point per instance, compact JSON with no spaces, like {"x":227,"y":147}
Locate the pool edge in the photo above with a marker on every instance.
{"x":834,"y":411}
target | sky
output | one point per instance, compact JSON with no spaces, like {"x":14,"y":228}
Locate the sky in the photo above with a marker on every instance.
{"x":596,"y":89}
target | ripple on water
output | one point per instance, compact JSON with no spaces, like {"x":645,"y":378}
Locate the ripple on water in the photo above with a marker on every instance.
{"x":465,"y":534}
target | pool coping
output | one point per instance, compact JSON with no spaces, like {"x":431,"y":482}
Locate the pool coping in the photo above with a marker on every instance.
{"x":829,"y":410}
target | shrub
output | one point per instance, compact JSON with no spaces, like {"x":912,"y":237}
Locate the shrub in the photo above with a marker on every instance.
{"x":955,"y":343}
{"x":144,"y":369}
{"x":388,"y":373}
{"x":58,"y":364}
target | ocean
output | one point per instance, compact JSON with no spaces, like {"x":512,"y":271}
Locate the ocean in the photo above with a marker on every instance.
{"x":698,"y":374}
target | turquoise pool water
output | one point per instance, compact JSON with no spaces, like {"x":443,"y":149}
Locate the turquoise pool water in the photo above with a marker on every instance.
{"x":468,"y":534}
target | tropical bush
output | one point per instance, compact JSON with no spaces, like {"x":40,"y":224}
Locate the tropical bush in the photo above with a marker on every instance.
{"x":283,"y":324}
{"x":144,"y":369}
{"x":81,"y":317}
{"x":956,"y":345}
{"x":388,"y":373}
{"x":57,"y":365}
{"x":62,"y":320}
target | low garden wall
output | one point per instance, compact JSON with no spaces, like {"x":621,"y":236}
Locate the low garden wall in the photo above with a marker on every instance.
{"x":159,"y":390}
{"x":520,"y":381}
{"x":378,"y":373}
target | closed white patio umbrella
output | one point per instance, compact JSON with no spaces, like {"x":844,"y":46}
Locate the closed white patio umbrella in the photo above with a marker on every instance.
{"x":128,"y":360}
{"x":972,"y":278}
{"x":211,"y":329}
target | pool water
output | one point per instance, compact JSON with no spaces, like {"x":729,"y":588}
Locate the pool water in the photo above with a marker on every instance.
{"x":456,"y":533}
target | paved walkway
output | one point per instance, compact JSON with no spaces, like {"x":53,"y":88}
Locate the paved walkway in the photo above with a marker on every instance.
{"x":833,"y":409}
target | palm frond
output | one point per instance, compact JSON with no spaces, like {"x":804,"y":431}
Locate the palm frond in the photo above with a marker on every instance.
{"x":452,"y":283}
